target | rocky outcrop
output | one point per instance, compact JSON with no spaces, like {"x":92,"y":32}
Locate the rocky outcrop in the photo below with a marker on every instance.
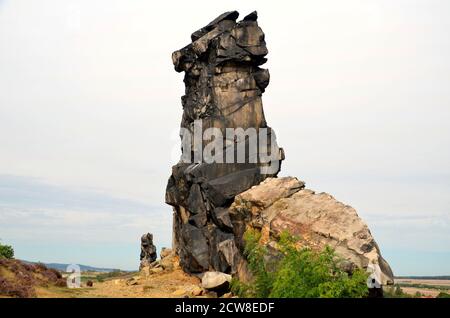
{"x":224,"y":182}
{"x":318,"y":219}
{"x":148,"y":250}
{"x":168,"y":262}
{"x":224,"y":85}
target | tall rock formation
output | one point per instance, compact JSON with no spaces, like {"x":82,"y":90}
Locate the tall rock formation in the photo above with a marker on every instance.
{"x":217,"y":190}
{"x":148,"y":250}
{"x":224,"y":85}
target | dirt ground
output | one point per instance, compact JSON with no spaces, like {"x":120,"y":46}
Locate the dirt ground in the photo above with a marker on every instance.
{"x":166,"y":284}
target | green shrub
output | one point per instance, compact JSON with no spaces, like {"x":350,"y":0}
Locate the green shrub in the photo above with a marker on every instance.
{"x":6,"y":251}
{"x":297,"y":273}
{"x":443,"y":295}
{"x":395,"y":291}
{"x":107,"y":275}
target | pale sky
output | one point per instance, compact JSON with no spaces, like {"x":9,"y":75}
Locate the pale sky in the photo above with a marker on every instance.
{"x":90,"y":109}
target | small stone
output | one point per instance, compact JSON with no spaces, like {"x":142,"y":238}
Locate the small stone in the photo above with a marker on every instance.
{"x":211,"y":294}
{"x":167,"y":263}
{"x":155,"y":264}
{"x":216,"y":280}
{"x":179,"y":292}
{"x":132,"y":282}
{"x":197,"y":291}
{"x":156,"y":270}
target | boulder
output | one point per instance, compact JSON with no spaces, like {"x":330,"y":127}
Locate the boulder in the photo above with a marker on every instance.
{"x":179,"y":292}
{"x":165,"y":252}
{"x":196,"y":291}
{"x":132,"y":281}
{"x":318,"y":219}
{"x":169,"y":261}
{"x":216,"y":281}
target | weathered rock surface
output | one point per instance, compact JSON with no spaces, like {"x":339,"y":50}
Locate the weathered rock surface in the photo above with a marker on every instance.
{"x":169,"y":260}
{"x":148,"y":250}
{"x":318,"y":219}
{"x":224,"y":85}
{"x":216,"y":281}
{"x":214,"y":202}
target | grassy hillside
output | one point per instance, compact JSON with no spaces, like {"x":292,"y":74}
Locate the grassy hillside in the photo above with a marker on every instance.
{"x":19,"y":279}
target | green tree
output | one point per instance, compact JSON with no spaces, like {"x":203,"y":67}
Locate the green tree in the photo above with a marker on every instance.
{"x":297,"y":273}
{"x":6,"y":251}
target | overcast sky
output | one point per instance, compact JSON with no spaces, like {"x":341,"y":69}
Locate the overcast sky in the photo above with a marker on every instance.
{"x":90,"y":109}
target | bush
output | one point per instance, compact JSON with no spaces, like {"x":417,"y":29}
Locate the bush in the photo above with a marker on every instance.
{"x":6,"y":251}
{"x":297,"y":273}
{"x":105,"y":276}
{"x":443,"y":295}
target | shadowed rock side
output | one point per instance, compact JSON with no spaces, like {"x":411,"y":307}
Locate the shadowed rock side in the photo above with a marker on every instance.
{"x":224,"y":85}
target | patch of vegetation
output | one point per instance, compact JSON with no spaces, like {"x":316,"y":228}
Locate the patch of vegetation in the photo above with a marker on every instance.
{"x":105,"y":276}
{"x":443,"y":295}
{"x":6,"y":251}
{"x":297,"y":273}
{"x":395,"y":292}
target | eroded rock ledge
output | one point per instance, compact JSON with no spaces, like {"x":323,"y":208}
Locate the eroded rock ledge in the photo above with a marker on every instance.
{"x":318,"y":219}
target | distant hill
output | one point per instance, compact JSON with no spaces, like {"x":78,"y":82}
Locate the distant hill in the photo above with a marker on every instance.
{"x":84,"y":268}
{"x":424,"y":277}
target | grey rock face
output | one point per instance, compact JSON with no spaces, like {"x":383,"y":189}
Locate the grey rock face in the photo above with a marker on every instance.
{"x":148,"y":250}
{"x":224,"y":85}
